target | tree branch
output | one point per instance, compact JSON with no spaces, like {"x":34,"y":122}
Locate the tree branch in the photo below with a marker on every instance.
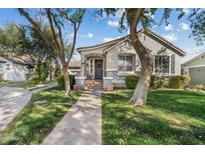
{"x":36,"y":27}
{"x":48,"y":12}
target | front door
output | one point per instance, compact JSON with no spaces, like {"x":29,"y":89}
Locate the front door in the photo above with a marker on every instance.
{"x":98,"y":68}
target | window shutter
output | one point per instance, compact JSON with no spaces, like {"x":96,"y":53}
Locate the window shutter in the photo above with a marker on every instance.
{"x":173,"y":64}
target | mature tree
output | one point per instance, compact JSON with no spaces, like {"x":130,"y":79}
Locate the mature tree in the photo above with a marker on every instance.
{"x":23,"y":40}
{"x":58,"y":19}
{"x":133,"y":18}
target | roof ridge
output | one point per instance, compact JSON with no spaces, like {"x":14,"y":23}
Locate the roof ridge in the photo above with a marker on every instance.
{"x":194,"y":58}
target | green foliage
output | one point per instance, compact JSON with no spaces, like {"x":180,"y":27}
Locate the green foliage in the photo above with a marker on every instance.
{"x":61,"y":83}
{"x":157,"y":82}
{"x":199,"y":87}
{"x":169,"y":117}
{"x":131,"y":81}
{"x":179,"y":82}
{"x":42,"y":72}
{"x":197,"y":19}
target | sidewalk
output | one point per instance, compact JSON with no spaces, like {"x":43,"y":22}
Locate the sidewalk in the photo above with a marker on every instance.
{"x":82,"y":124}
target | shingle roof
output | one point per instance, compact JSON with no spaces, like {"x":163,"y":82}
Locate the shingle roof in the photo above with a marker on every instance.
{"x":74,"y":64}
{"x":24,"y":59}
{"x":193,"y":59}
{"x":150,"y":33}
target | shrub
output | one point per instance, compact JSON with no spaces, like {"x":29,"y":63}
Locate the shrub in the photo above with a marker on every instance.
{"x":199,"y":87}
{"x":42,"y":72}
{"x":157,"y":82}
{"x":179,"y":82}
{"x":60,"y":80}
{"x":131,"y":81}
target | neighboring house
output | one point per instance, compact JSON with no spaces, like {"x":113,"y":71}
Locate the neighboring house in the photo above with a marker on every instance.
{"x":195,"y":68}
{"x":74,"y":67}
{"x":16,"y":68}
{"x":112,"y":61}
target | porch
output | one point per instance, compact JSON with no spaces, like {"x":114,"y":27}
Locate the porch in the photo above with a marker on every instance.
{"x":93,"y":72}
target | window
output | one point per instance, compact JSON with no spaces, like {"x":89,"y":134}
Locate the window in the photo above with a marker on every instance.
{"x":91,"y":66}
{"x":125,"y":62}
{"x":161,"y":64}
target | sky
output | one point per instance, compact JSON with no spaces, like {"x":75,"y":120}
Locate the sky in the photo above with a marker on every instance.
{"x":95,"y":30}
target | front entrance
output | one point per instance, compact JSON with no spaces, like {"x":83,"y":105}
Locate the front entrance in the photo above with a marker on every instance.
{"x":98,"y":68}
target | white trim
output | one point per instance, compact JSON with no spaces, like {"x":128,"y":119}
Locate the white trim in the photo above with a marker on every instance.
{"x":124,"y":73}
{"x":118,"y":81}
{"x":110,"y":70}
{"x":194,"y":59}
{"x":80,"y":77}
{"x":193,"y":66}
{"x":75,"y":70}
{"x":116,"y":44}
{"x":107,"y":78}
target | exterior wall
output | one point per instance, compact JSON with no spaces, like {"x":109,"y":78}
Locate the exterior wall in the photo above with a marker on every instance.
{"x":197,"y":62}
{"x":196,"y":70}
{"x":111,"y":60}
{"x":14,"y":72}
{"x":126,"y":48}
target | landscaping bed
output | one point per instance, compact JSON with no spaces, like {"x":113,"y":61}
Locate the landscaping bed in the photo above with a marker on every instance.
{"x":45,"y":109}
{"x":170,"y":117}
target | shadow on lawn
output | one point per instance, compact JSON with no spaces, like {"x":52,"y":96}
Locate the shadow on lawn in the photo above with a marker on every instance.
{"x":125,"y":124}
{"x":36,"y":121}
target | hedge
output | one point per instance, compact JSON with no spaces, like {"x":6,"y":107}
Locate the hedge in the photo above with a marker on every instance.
{"x":179,"y":82}
{"x":60,"y":80}
{"x":131,"y":81}
{"x":175,"y":82}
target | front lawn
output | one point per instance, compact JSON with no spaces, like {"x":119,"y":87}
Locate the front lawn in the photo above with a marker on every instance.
{"x":170,"y":117}
{"x":38,"y":118}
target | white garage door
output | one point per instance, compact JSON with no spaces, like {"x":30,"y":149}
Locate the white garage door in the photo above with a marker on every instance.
{"x":197,"y":75}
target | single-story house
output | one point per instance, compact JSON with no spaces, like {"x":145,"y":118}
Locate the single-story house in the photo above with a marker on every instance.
{"x":195,"y":68}
{"x":110,"y":62}
{"x":16,"y":68}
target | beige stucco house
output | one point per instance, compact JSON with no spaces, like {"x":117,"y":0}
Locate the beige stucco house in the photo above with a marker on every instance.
{"x":110,"y":62}
{"x":195,"y":68}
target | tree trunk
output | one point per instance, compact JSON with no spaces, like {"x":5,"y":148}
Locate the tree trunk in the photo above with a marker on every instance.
{"x":66,"y":79}
{"x":140,"y":94}
{"x":52,"y":73}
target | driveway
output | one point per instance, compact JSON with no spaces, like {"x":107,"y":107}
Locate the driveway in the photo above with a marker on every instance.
{"x":12,"y":100}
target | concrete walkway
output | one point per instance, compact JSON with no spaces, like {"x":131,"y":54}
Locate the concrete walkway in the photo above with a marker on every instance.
{"x":82,"y":124}
{"x":12,"y":101}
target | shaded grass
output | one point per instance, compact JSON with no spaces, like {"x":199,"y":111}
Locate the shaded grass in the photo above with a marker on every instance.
{"x":170,"y":117}
{"x":26,"y":84}
{"x":38,"y":118}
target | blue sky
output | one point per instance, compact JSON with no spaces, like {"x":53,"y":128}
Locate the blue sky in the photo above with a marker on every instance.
{"x":95,"y":30}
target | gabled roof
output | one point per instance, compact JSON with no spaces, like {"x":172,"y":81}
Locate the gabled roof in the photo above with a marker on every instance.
{"x":193,"y":59}
{"x":106,"y":44}
{"x":74,"y":64}
{"x":23,"y":60}
{"x":109,"y":45}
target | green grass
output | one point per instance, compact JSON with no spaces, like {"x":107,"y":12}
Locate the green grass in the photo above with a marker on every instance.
{"x":27,"y":84}
{"x":170,"y":117}
{"x":38,"y":118}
